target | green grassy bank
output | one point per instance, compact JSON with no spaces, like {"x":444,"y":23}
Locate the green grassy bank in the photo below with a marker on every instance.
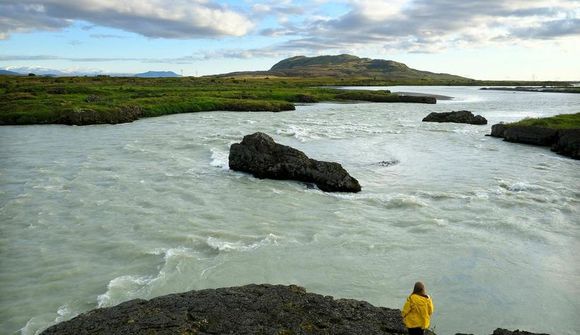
{"x":103,"y":99}
{"x":562,"y":121}
{"x":90,"y":100}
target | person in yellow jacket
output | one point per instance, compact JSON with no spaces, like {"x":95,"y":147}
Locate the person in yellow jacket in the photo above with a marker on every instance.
{"x":417,"y":310}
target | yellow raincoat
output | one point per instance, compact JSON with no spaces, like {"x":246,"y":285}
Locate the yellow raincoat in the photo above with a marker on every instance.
{"x":417,"y":311}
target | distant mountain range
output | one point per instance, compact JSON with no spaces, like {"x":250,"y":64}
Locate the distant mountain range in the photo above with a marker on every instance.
{"x":346,"y":66}
{"x":9,"y":73}
{"x":157,"y":74}
{"x":339,"y":66}
{"x":24,"y":71}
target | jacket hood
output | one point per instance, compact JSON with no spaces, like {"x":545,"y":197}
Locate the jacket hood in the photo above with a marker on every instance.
{"x":420,"y":300}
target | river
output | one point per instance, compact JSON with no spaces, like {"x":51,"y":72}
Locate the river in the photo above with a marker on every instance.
{"x":92,"y":216}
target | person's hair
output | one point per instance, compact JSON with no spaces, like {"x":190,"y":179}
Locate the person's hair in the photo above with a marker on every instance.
{"x":419,"y":288}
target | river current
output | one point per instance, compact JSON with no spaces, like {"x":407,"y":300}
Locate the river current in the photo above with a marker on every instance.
{"x":96,"y":215}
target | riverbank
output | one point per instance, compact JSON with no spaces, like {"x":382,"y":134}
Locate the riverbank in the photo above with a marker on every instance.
{"x":561,"y":133}
{"x":250,"y":309}
{"x":557,"y":89}
{"x":111,"y":100}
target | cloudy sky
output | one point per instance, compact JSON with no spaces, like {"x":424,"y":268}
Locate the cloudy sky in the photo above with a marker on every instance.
{"x":482,"y":39}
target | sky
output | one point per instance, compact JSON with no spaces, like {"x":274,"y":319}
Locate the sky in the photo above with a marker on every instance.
{"x":480,"y":39}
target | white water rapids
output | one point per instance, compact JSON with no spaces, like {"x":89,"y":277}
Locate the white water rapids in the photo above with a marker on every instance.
{"x":96,"y":215}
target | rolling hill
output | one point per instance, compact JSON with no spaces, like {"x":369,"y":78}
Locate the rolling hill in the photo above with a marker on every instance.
{"x":346,"y":66}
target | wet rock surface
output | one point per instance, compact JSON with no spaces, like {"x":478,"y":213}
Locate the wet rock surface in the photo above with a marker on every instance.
{"x":568,"y":143}
{"x":565,"y":141}
{"x":259,"y":155}
{"x":388,"y":163}
{"x":244,"y":310}
{"x":251,"y":309}
{"x":456,"y":117}
{"x":418,"y":99}
{"x":531,"y":135}
{"x":500,"y":331}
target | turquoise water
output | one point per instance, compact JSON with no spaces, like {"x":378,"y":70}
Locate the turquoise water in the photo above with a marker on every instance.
{"x":93,"y":216}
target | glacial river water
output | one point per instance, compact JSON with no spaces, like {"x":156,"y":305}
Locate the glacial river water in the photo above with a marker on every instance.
{"x":96,"y":215}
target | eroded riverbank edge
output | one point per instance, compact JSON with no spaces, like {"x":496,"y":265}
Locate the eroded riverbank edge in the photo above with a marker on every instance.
{"x":565,"y":142}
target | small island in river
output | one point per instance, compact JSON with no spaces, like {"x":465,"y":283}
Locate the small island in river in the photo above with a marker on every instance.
{"x":560,"y":132}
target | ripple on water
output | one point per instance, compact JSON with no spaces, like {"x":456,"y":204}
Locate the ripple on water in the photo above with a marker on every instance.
{"x":150,"y":206}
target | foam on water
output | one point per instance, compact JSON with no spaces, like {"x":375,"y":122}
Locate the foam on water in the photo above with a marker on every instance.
{"x":122,"y":288}
{"x":229,"y":246}
{"x":220,"y":158}
{"x":301,"y":134}
{"x":521,"y":187}
{"x":128,"y":287}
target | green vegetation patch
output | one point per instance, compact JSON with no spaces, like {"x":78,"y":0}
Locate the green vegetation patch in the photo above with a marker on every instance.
{"x":562,"y":121}
{"x":94,"y":100}
{"x":373,"y":96}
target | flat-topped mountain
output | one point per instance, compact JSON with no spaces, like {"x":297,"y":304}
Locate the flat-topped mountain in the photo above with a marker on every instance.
{"x":347,"y":66}
{"x":157,"y":74}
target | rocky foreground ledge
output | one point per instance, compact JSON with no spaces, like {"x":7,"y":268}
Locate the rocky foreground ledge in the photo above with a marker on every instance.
{"x":252,"y":309}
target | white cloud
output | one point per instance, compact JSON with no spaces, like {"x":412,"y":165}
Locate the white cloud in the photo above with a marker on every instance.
{"x":433,"y":26}
{"x":180,"y":19}
{"x":377,"y":10}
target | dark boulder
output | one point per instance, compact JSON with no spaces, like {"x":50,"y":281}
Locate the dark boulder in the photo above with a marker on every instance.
{"x":418,"y":99}
{"x":568,"y":143}
{"x":259,"y":155}
{"x":388,"y":163}
{"x":530,"y":135}
{"x":500,"y":331}
{"x":251,"y":309}
{"x":456,"y":117}
{"x":498,"y":129}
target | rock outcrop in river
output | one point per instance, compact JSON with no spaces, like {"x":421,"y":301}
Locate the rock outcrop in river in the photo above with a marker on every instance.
{"x":456,"y":117}
{"x":259,"y":155}
{"x":564,"y":141}
{"x":245,"y":310}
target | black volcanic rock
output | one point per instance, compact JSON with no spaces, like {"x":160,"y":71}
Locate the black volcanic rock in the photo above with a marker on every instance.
{"x":259,"y":155}
{"x":245,"y":310}
{"x":564,"y":141}
{"x":568,"y":143}
{"x":418,"y":99}
{"x":498,"y":129}
{"x":530,"y":135}
{"x":388,"y":163}
{"x":500,"y":331}
{"x":456,"y":117}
